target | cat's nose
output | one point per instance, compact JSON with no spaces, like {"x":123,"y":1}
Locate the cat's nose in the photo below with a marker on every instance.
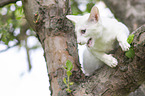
{"x":80,"y":43}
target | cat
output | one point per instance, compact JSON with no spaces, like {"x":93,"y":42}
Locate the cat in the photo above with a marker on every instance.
{"x":100,"y":36}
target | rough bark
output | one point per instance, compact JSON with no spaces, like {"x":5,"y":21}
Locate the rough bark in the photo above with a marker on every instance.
{"x":57,"y":37}
{"x":130,"y":12}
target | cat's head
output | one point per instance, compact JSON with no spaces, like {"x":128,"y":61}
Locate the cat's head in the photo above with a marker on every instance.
{"x":87,"y":27}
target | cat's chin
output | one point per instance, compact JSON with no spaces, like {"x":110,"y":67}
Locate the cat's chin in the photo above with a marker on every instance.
{"x":90,"y":42}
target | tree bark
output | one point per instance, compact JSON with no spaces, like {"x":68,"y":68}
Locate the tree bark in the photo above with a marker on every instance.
{"x":132,"y":13}
{"x":56,"y":35}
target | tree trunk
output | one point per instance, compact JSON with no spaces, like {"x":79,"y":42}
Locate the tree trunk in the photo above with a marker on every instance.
{"x":56,"y":35}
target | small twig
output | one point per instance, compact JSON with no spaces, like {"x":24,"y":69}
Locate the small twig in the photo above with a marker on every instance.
{"x":28,"y":55}
{"x":9,"y":47}
{"x":105,"y":91}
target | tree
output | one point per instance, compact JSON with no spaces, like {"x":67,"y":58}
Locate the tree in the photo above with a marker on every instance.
{"x":56,"y":34}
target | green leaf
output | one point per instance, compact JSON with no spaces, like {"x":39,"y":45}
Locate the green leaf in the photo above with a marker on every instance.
{"x":64,"y":67}
{"x":69,"y":65}
{"x":68,"y":90}
{"x":64,"y":80}
{"x":130,"y":53}
{"x":71,"y":83}
{"x":18,"y":18}
{"x":130,"y":38}
{"x":69,"y":73}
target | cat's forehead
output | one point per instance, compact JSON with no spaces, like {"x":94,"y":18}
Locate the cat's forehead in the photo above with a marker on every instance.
{"x":83,"y":20}
{"x":81,"y":25}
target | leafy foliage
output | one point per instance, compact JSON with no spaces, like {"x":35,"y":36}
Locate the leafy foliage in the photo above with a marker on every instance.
{"x":130,"y":38}
{"x":5,"y":35}
{"x":130,"y":53}
{"x":13,"y":27}
{"x":9,"y":22}
{"x":68,"y":68}
{"x":76,"y":6}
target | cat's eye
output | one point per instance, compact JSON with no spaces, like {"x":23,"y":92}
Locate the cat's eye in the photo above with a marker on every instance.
{"x":83,"y":31}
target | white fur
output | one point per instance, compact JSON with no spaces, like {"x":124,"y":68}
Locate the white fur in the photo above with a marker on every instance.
{"x":104,"y":32}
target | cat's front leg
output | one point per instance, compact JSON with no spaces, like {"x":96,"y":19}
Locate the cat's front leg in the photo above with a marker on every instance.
{"x":107,"y":59}
{"x":122,"y":39}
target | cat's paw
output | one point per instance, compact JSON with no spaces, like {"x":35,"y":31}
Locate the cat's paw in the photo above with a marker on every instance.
{"x":125,"y":46}
{"x":111,"y":61}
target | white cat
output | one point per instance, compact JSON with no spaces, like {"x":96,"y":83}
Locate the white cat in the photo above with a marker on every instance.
{"x":101,"y":36}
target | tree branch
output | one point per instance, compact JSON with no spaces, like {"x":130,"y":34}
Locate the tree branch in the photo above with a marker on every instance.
{"x":5,"y":2}
{"x":28,"y":55}
{"x":8,"y":47}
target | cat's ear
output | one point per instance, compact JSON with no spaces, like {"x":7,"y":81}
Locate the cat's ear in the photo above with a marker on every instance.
{"x":73,"y":18}
{"x":94,"y":15}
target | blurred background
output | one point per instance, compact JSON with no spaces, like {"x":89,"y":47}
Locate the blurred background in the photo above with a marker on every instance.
{"x":23,"y":70}
{"x":22,"y":66}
